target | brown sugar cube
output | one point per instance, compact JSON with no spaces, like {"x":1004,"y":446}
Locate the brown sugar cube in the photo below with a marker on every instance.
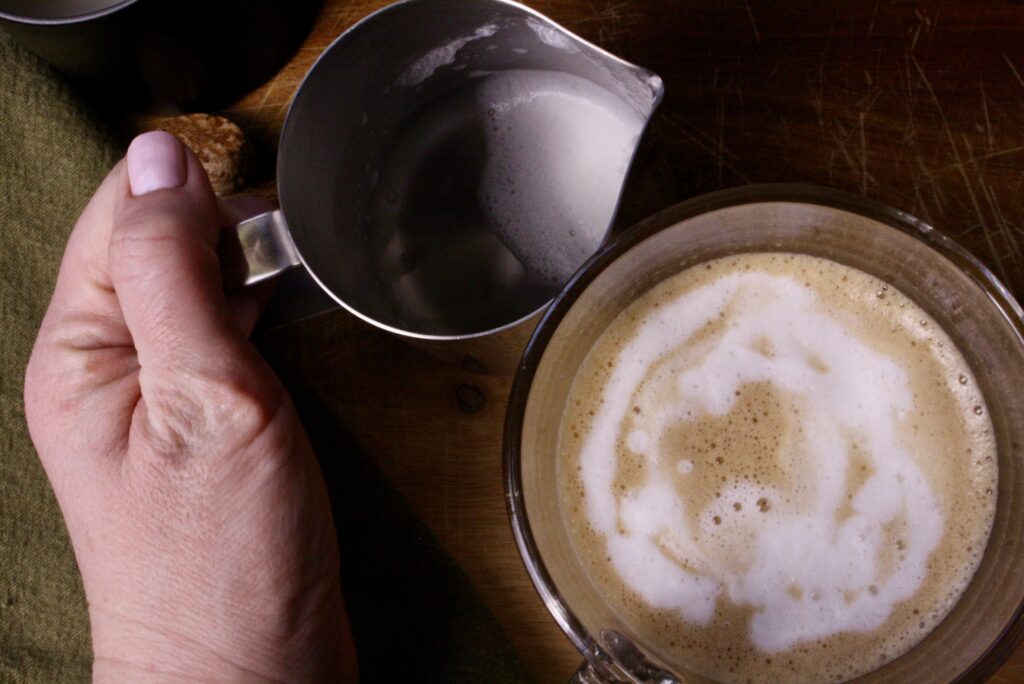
{"x":217,"y":142}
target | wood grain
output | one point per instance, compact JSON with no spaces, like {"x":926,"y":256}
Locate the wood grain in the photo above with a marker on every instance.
{"x":917,"y":104}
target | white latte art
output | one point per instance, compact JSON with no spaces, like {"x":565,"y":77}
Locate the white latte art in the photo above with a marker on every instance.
{"x":781,"y":394}
{"x":775,"y":560}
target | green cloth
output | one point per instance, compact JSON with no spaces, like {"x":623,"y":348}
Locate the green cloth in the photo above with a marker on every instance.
{"x":414,"y":615}
{"x":52,"y":157}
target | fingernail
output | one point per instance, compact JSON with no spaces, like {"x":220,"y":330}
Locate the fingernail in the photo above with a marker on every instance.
{"x":156,"y":161}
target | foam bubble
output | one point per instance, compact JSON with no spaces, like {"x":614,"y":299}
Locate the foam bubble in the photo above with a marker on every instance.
{"x":639,"y":441}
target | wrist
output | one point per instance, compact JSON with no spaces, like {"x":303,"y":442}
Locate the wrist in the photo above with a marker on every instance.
{"x":143,"y":671}
{"x":127,"y":650}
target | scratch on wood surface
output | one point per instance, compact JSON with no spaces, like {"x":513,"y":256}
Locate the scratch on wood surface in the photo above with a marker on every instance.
{"x":785,"y":128}
{"x":1014,"y":70}
{"x":863,"y":154}
{"x":919,"y":208}
{"x":938,"y":195}
{"x":911,"y":98}
{"x":1006,"y":231}
{"x":968,"y":185}
{"x":924,"y":25}
{"x":824,"y":54}
{"x":819,"y":105}
{"x":983,"y":157}
{"x":266,"y":93}
{"x":988,"y":122}
{"x":874,"y":15}
{"x":848,"y":135}
{"x":340,"y":18}
{"x":1000,"y":228}
{"x":938,"y":106}
{"x":614,"y":20}
{"x":994,"y":251}
{"x":938,"y":189}
{"x":714,"y":147}
{"x":913,"y":40}
{"x":753,"y":24}
{"x":909,"y":145}
{"x":839,"y":137}
{"x":721,"y":138}
{"x":696,"y":133}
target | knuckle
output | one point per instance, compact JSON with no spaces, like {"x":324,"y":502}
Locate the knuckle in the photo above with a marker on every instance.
{"x":172,"y":422}
{"x":208,"y":416}
{"x":145,"y":238}
{"x":244,"y":406}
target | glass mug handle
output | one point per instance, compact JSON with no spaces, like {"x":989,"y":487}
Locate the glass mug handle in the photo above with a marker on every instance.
{"x":630,"y":665}
{"x":586,"y":674}
{"x":258,"y":248}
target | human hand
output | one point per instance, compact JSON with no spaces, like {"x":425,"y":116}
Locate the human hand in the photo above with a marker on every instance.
{"x":196,"y":509}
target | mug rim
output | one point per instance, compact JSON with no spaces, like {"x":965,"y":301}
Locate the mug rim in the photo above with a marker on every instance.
{"x":658,"y":91}
{"x":62,"y":21}
{"x":999,"y":295}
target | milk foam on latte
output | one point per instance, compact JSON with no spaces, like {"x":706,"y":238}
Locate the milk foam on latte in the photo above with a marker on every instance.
{"x":781,"y":451}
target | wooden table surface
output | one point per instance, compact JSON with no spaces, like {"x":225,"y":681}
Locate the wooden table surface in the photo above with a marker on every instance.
{"x":917,"y":104}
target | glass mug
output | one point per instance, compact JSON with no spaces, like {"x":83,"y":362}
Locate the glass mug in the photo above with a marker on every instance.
{"x":974,"y":308}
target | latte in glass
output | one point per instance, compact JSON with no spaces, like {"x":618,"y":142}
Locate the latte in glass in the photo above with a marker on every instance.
{"x":777,"y":468}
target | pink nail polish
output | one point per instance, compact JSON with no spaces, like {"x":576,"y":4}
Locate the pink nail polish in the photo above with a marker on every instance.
{"x":156,"y":161}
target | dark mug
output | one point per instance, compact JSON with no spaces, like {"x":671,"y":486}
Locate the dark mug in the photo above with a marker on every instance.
{"x":162,"y":55}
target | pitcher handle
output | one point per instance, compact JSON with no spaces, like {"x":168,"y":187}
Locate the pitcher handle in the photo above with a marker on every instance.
{"x":258,"y":248}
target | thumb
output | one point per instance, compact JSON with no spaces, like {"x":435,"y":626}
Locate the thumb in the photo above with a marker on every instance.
{"x":163,"y":263}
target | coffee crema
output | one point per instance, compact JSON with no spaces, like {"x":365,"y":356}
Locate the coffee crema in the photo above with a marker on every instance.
{"x":777,"y":468}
